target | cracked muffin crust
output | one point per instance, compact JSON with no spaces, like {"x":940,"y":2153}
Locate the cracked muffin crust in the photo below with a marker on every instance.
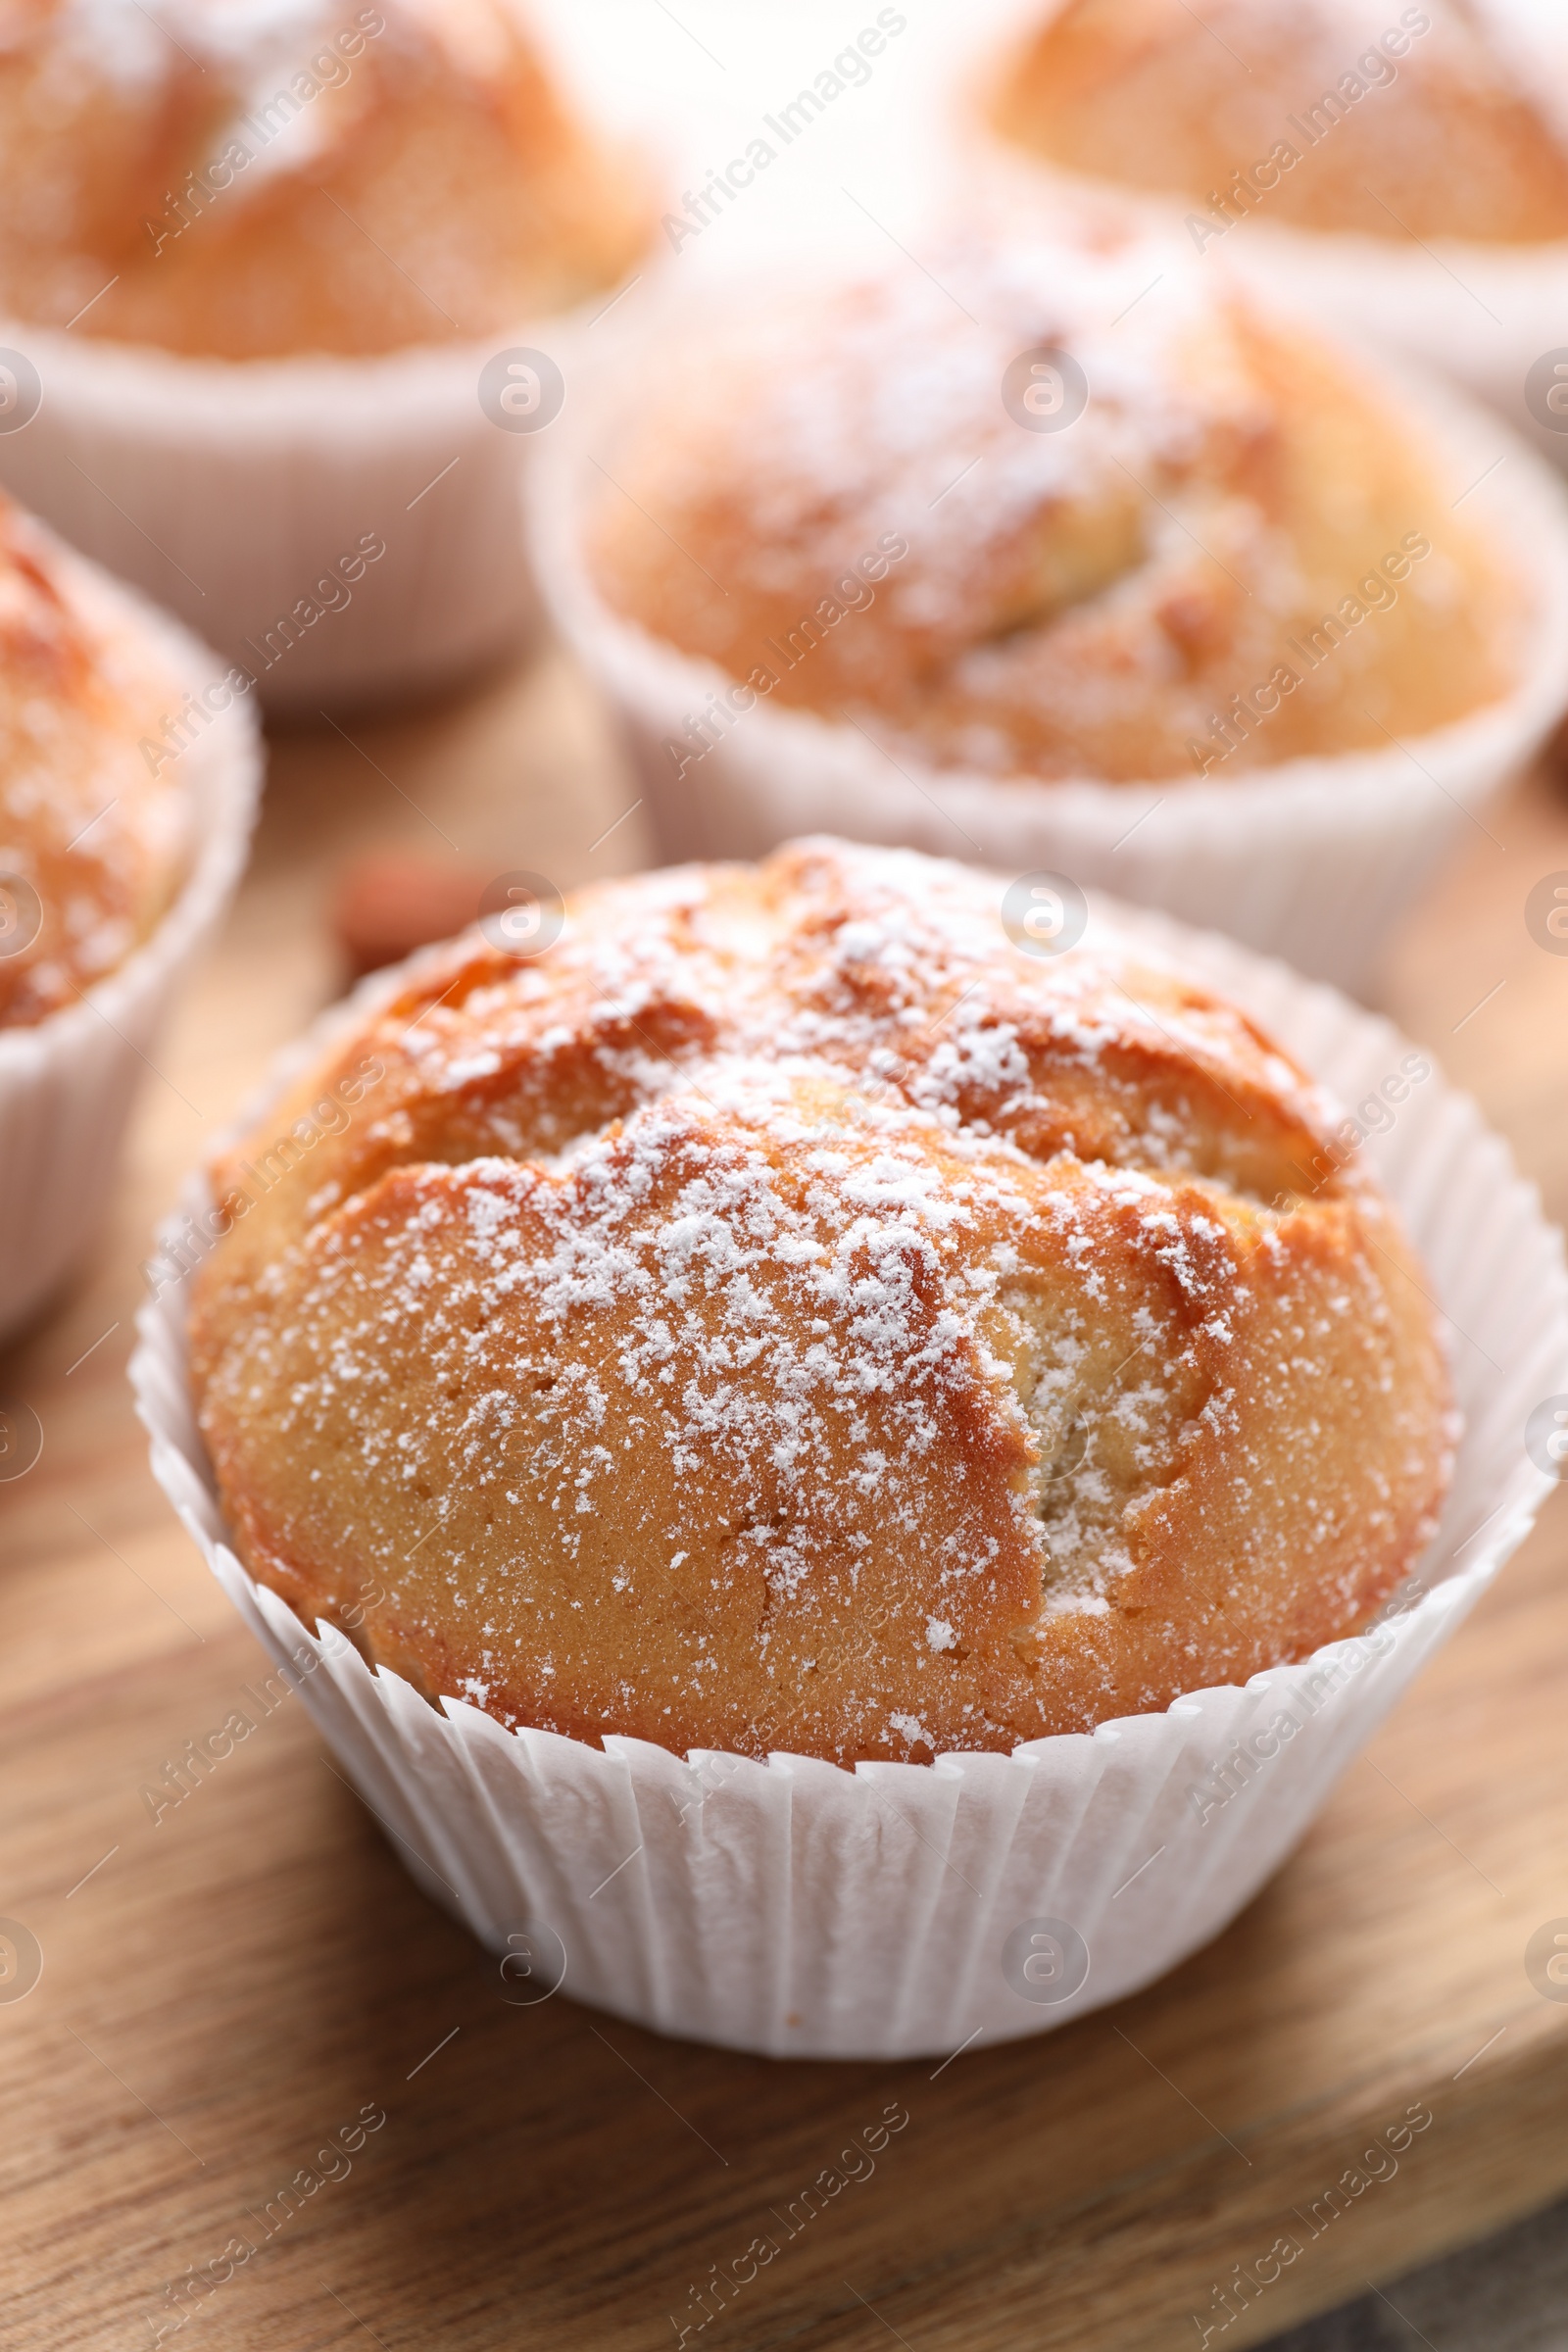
{"x":786,"y":1316}
{"x":1238,"y":542}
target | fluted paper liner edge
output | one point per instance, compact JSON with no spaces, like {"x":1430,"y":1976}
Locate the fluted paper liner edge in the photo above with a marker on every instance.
{"x":792,"y":1908}
{"x":263,"y":481}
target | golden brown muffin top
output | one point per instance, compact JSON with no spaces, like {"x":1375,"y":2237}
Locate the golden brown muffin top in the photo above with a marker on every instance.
{"x":1235,"y":514}
{"x":91,"y":833}
{"x":784,"y":1314}
{"x":1397,"y":122}
{"x":252,"y":179}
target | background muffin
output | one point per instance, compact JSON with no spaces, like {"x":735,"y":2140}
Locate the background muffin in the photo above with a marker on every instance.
{"x":1395,"y":123}
{"x":1050,"y":509}
{"x":248,"y":181}
{"x":92,"y":832}
{"x":278,"y":277}
{"x":787,"y":1316}
{"x":129,"y":768}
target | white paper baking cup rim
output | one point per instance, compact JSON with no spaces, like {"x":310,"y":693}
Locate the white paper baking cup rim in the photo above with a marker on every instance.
{"x":791,"y":1908}
{"x":1313,"y":860}
{"x":311,"y":396}
{"x":234,"y":487}
{"x":66,"y":1080}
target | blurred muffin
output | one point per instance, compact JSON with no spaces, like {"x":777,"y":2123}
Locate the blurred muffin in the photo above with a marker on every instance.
{"x":1415,"y":121}
{"x":92,"y":831}
{"x":785,"y":1315}
{"x":244,"y":179}
{"x":275,"y":274}
{"x":994,"y":516}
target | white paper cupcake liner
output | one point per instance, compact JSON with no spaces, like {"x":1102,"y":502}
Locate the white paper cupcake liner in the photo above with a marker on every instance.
{"x":792,"y":1908}
{"x":68,"y":1083}
{"x":1314,"y":859}
{"x":246,"y":496}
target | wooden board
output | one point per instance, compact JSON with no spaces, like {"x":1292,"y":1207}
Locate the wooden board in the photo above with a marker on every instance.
{"x":224,"y":1991}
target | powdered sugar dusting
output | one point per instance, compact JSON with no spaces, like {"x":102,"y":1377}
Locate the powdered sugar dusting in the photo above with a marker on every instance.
{"x":842,"y":497}
{"x":811,"y":1305}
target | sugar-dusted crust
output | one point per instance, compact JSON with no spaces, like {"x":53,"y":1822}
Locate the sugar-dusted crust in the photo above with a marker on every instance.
{"x":831,"y":499}
{"x":92,"y":831}
{"x":1431,"y":128}
{"x":787,"y":1316}
{"x":254,"y":178}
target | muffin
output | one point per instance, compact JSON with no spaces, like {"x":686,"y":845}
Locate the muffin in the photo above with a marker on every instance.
{"x":788,"y":1906}
{"x":278,"y":180}
{"x":960,"y":554}
{"x":129,"y":768}
{"x":786,"y":1314}
{"x":1394,"y":124}
{"x":92,"y":835}
{"x":1083,"y":601}
{"x":253,"y":265}
{"x":1403,"y":170}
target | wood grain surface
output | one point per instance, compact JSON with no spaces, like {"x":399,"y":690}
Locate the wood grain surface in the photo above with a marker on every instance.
{"x":230,"y":1996}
